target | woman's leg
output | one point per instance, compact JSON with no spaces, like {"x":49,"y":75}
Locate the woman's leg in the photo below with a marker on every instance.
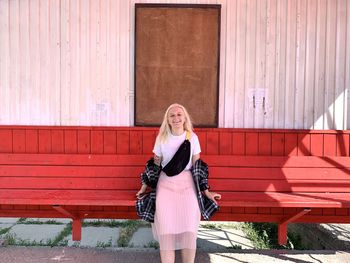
{"x":167,"y":256}
{"x":188,"y":255}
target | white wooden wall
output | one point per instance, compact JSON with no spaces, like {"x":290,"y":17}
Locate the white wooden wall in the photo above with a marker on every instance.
{"x":284,"y":63}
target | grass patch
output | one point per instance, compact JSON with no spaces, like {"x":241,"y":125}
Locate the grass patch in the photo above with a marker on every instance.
{"x":152,"y":244}
{"x":25,"y":221}
{"x":4,"y":230}
{"x":126,"y":232}
{"x":104,"y":244}
{"x":265,"y":236}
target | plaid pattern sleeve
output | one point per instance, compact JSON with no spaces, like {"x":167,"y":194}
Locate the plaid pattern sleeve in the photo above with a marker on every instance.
{"x":200,"y":176}
{"x":146,"y":207}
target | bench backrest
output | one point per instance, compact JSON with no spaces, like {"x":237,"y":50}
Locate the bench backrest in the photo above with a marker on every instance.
{"x":227,"y":172}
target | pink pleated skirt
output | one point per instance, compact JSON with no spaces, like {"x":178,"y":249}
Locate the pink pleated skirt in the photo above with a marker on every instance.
{"x":177,"y":214}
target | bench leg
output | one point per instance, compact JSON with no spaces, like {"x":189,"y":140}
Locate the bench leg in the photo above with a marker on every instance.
{"x":282,"y":234}
{"x":282,"y":226}
{"x":76,"y":230}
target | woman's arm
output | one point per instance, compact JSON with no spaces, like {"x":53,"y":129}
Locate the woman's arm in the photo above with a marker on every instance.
{"x":195,"y":157}
{"x":157,"y":161}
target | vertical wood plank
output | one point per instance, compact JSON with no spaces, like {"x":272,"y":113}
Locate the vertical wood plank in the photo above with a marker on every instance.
{"x":319,"y":94}
{"x":202,"y":137}
{"x":239,"y":78}
{"x":304,"y":147}
{"x":14,"y":91}
{"x":291,"y":64}
{"x":310,"y":64}
{"x":260,"y":61}
{"x":277,"y":144}
{"x":340,"y":65}
{"x":225,"y":145}
{"x":97,"y":142}
{"x":238,"y":143}
{"x":148,"y":140}
{"x":123,"y":142}
{"x":343,"y":144}
{"x":6,"y":141}
{"x":271,"y":65}
{"x":330,"y":144}
{"x":19,"y":141}
{"x":229,"y":90}
{"x":84,"y":141}
{"x":57,"y":141}
{"x":251,"y":141}
{"x":32,"y":143}
{"x":212,"y":142}
{"x":135,"y":142}
{"x":281,"y":55}
{"x":264,"y":144}
{"x":4,"y":66}
{"x":249,"y":63}
{"x":291,"y":144}
{"x":331,"y":36}
{"x":300,"y":64}
{"x":109,"y":142}
{"x":316,"y":141}
{"x":70,"y":141}
{"x":45,"y":141}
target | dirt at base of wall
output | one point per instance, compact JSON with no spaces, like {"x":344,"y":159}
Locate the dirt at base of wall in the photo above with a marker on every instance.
{"x":323,"y":236}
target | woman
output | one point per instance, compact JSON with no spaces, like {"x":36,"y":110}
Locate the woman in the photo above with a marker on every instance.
{"x":177,"y":213}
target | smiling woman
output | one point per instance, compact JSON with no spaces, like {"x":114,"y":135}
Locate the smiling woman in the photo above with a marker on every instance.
{"x":178,"y":207}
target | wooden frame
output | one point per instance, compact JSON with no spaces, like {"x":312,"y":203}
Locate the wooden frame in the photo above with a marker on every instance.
{"x":177,"y":58}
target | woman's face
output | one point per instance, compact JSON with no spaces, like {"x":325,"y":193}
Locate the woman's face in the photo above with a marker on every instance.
{"x":176,"y":118}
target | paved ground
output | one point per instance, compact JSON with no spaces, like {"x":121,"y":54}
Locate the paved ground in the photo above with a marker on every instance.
{"x":30,"y":240}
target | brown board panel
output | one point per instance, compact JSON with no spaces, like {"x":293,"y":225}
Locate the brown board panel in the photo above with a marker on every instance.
{"x":177,"y":60}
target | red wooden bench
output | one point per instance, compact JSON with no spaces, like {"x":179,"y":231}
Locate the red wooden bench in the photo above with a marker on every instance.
{"x":277,"y":176}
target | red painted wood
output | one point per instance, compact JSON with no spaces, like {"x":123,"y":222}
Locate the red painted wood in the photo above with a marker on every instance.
{"x":45,"y":141}
{"x":264,"y":145}
{"x":123,"y":142}
{"x":32,"y":143}
{"x":57,"y":141}
{"x":225,"y":143}
{"x":109,"y":142}
{"x":343,"y":146}
{"x":330,"y":147}
{"x":5,"y":140}
{"x":202,"y":137}
{"x":291,"y":146}
{"x":70,"y":141}
{"x":19,"y":141}
{"x":76,"y":230}
{"x":97,"y":142}
{"x":238,"y":143}
{"x":277,"y":144}
{"x":135,"y":142}
{"x":304,"y":147}
{"x":84,"y":142}
{"x":148,"y":140}
{"x":251,"y":143}
{"x":316,"y":142}
{"x":212,"y":143}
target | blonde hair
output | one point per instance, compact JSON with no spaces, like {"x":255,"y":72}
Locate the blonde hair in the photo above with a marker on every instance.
{"x":165,"y":128}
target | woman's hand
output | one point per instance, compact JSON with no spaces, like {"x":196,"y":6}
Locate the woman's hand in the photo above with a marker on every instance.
{"x":142,"y":190}
{"x":212,"y":196}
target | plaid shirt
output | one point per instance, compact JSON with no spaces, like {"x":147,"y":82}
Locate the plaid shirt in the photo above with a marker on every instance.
{"x":146,"y":207}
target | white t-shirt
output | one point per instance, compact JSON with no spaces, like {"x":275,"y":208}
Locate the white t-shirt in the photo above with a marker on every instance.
{"x":168,"y":149}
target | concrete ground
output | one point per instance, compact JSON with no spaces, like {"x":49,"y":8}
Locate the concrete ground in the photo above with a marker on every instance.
{"x":44,"y":240}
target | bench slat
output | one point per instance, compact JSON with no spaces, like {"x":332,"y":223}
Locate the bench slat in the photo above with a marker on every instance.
{"x":215,"y":172}
{"x":246,"y":185}
{"x":127,"y":198}
{"x":212,"y":160}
